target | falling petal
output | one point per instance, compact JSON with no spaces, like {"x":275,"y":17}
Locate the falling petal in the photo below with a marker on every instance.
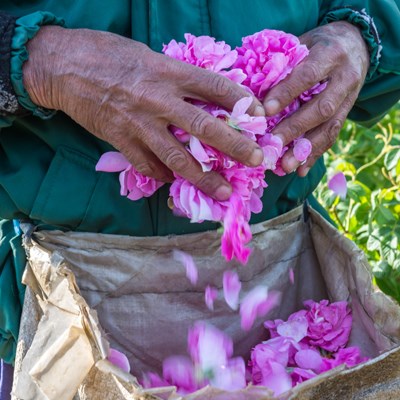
{"x":231,"y":285}
{"x":257,"y":303}
{"x":187,"y":260}
{"x":210,"y":295}
{"x":119,"y":359}
{"x":179,"y":371}
{"x":338,"y":185}
{"x":153,"y":380}
{"x":209,"y":347}
{"x":291,"y":276}
{"x":231,"y":376}
{"x":112,"y":161}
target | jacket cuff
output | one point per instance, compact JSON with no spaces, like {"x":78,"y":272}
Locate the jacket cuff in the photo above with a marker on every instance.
{"x":368,"y":30}
{"x":8,"y":99}
{"x":26,"y":28}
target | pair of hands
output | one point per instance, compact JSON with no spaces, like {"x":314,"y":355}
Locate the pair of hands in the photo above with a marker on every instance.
{"x":128,"y":95}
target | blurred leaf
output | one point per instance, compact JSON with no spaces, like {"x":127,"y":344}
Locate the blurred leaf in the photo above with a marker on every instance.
{"x":374,"y":241}
{"x":388,"y":280}
{"x":392,"y":159}
{"x":357,"y":191}
{"x":386,"y":215}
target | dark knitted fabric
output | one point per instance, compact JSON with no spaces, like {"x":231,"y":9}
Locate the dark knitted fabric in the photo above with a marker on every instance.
{"x":8,"y":100}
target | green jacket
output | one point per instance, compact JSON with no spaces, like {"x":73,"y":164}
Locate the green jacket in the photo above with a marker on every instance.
{"x":47,"y":169}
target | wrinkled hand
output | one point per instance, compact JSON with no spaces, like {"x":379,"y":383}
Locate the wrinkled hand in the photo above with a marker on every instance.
{"x":338,"y":54}
{"x":128,"y":95}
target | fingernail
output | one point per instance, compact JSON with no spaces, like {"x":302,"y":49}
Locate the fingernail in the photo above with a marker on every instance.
{"x":223,"y":193}
{"x":272,"y":107}
{"x":259,"y":111}
{"x":292,"y":164}
{"x":256,"y":157}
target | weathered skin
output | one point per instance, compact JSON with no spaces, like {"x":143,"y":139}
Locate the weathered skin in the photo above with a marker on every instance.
{"x":338,"y":53}
{"x":126,"y":94}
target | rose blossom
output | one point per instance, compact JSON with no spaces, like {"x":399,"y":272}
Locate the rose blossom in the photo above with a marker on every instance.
{"x":329,"y":325}
{"x":267,"y":57}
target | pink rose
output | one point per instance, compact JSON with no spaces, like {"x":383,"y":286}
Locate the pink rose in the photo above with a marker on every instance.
{"x":267,"y":57}
{"x":329,"y":325}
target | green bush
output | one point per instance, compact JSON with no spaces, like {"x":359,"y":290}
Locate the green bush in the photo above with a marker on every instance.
{"x":370,"y":214}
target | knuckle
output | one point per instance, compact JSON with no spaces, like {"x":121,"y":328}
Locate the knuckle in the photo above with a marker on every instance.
{"x":295,"y":128}
{"x":175,"y":159}
{"x":241,"y":149}
{"x":207,"y":182}
{"x":311,"y":74}
{"x":221,"y":86}
{"x":326,"y":108}
{"x":287,"y":93}
{"x":202,"y":124}
{"x":146,"y":168}
{"x":332,"y":132}
{"x":354,"y":78}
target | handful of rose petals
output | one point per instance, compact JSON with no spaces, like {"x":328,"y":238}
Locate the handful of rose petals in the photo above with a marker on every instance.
{"x":263,"y":60}
{"x":310,"y":342}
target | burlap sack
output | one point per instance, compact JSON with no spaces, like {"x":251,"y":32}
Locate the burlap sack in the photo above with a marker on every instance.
{"x":145,"y":306}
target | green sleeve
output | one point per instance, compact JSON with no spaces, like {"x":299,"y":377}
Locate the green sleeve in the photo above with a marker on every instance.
{"x":26,"y":28}
{"x":381,"y":89}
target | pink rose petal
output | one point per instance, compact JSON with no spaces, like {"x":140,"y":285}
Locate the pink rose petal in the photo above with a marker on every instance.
{"x":257,"y":303}
{"x":302,"y":149}
{"x":231,"y":286}
{"x":241,"y":107}
{"x":338,"y":185}
{"x":210,"y":295}
{"x":278,"y":380}
{"x":291,"y":276}
{"x":119,"y":359}
{"x":294,"y":328}
{"x":209,"y":347}
{"x":187,"y":261}
{"x":309,"y":359}
{"x":180,"y":372}
{"x":112,"y":161}
{"x":231,"y":376}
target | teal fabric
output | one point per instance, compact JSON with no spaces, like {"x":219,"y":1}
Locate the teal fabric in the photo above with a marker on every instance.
{"x":12,"y":264}
{"x":47,"y":166}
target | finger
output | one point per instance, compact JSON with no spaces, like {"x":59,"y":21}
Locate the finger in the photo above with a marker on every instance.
{"x":312,"y":114}
{"x":146,"y":162}
{"x":218,"y":134}
{"x":216,"y":89}
{"x":174,"y":155}
{"x":308,"y":73}
{"x":324,"y":137}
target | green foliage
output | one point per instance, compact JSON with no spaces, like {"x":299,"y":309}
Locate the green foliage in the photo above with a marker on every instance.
{"x":370,"y":214}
